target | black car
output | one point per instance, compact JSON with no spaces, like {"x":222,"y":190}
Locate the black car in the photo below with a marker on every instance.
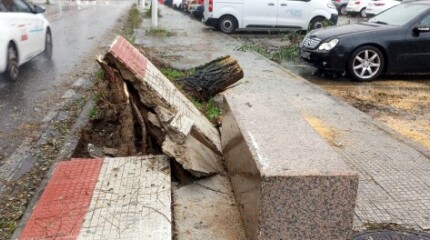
{"x":168,"y":3}
{"x":198,"y":12}
{"x":396,"y":41}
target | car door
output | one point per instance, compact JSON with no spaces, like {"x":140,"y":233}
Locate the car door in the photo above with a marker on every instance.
{"x":416,"y":47}
{"x":23,"y":21}
{"x":260,"y":13}
{"x":293,"y":13}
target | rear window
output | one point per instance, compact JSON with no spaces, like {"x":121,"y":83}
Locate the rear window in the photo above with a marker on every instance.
{"x":400,"y":14}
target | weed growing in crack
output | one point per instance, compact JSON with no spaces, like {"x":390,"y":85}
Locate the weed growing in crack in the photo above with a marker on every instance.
{"x":158,"y":32}
{"x":100,"y":74}
{"x":212,"y":110}
{"x":289,"y":51}
{"x":172,"y":73}
{"x":95,"y":113}
{"x":197,"y":103}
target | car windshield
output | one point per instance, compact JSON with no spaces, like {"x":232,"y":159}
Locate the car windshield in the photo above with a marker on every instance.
{"x":399,"y":15}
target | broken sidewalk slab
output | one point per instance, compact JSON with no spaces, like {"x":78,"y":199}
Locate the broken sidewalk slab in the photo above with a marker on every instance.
{"x":188,"y":136}
{"x":194,"y":157}
{"x":111,"y":198}
{"x":288,"y":182}
{"x":181,"y":145}
{"x":156,"y":90}
{"x":206,"y":209}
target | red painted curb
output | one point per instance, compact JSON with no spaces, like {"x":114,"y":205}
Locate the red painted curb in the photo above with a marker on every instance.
{"x":60,"y":211}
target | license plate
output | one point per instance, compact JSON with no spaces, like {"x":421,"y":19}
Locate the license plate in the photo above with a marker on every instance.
{"x":305,"y":55}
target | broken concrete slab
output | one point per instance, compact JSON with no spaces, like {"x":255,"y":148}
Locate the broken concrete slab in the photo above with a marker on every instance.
{"x":206,"y":209}
{"x":194,"y":156}
{"x":184,"y":132}
{"x":156,"y":90}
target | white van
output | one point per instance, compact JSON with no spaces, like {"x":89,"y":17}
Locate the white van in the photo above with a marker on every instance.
{"x":229,"y":15}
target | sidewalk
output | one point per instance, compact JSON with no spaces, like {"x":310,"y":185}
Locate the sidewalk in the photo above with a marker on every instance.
{"x":394,"y":181}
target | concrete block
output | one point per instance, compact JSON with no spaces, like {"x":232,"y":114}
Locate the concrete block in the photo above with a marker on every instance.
{"x":288,"y":182}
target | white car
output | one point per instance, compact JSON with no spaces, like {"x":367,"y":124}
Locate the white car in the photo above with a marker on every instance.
{"x":24,"y":34}
{"x":355,"y":7}
{"x":177,"y":4}
{"x":374,"y":7}
{"x":263,"y":15}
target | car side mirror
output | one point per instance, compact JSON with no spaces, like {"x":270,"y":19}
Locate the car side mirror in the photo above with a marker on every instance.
{"x":39,"y":9}
{"x":422,"y":29}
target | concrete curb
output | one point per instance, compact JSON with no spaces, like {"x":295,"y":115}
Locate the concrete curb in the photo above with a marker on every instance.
{"x":65,"y":152}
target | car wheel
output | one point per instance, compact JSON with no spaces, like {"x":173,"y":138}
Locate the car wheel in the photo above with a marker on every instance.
{"x":366,"y":63}
{"x":317,"y":22}
{"x":342,"y":10}
{"x":227,"y":24}
{"x":363,"y":13}
{"x":12,"y":69}
{"x":48,"y":44}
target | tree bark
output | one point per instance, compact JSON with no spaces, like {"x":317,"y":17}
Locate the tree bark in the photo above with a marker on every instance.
{"x":212,"y":78}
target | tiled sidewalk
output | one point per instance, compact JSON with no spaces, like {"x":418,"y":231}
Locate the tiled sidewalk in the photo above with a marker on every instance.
{"x":112,"y":198}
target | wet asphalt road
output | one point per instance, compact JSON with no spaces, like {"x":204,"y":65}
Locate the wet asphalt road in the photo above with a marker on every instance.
{"x":77,"y":29}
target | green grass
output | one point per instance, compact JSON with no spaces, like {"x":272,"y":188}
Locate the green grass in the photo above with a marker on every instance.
{"x":9,"y":225}
{"x":197,"y":103}
{"x":254,"y":48}
{"x":212,"y":110}
{"x":159,"y":32}
{"x":95,"y":113}
{"x":290,"y":51}
{"x":134,"y":20}
{"x":100,"y":74}
{"x":172,"y":73}
{"x":135,"y":17}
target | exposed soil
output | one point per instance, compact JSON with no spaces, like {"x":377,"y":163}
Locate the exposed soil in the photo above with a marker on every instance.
{"x":403,"y":105}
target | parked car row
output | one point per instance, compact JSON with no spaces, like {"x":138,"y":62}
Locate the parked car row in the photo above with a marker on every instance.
{"x":363,"y":8}
{"x":397,"y":41}
{"x":194,"y":7}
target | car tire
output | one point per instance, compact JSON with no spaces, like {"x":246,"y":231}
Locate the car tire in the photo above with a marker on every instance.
{"x":363,"y":13}
{"x":317,"y":22}
{"x":342,"y":10}
{"x":12,"y":67}
{"x":48,"y":44}
{"x":366,"y":63}
{"x":227,"y":24}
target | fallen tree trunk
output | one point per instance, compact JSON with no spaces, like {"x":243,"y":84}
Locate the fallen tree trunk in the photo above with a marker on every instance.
{"x":212,"y":78}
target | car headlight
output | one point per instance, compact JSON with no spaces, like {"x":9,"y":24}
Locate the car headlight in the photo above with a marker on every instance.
{"x":327,"y":46}
{"x":331,"y":5}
